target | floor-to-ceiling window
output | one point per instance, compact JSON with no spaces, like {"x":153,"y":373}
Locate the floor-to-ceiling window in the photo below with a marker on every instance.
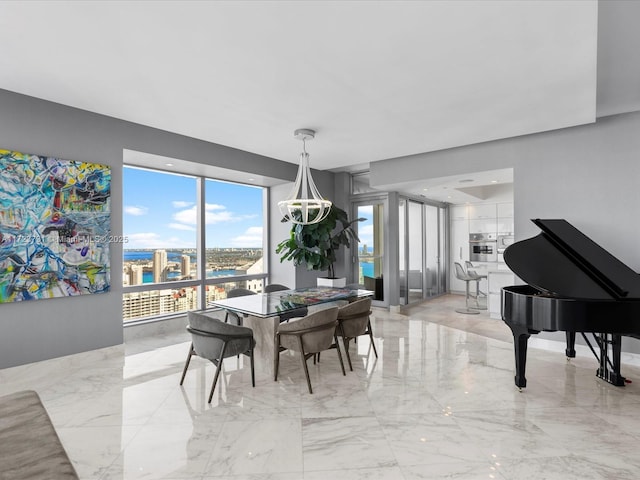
{"x":370,"y":252}
{"x":189,"y":240}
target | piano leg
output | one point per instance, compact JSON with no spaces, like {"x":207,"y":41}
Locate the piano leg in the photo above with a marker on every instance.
{"x":612,"y":375}
{"x":520,"y":338}
{"x":570,"y":351}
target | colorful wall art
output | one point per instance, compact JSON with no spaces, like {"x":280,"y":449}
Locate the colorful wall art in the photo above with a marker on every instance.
{"x":54,"y":227}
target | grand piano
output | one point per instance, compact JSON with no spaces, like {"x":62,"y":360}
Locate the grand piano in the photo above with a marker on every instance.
{"x":572,"y":285}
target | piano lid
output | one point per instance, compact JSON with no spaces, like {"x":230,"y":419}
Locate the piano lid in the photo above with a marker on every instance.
{"x":563,"y":261}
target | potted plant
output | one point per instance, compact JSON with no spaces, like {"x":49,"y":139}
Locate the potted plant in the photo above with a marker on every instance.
{"x":316,"y":245}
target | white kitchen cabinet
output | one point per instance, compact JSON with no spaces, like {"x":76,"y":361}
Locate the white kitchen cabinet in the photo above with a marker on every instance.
{"x":483,"y":211}
{"x":505,"y":225}
{"x":505,"y":217}
{"x":459,"y":212}
{"x":483,"y":225}
{"x":505,"y":210}
{"x":459,"y":252}
{"x":498,"y":279}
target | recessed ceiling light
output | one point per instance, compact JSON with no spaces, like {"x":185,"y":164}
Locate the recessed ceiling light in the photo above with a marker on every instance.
{"x":169,"y":164}
{"x":252,"y":179}
{"x":425,"y":189}
{"x":448,"y":196}
{"x":466,"y":180}
{"x":494,"y":181}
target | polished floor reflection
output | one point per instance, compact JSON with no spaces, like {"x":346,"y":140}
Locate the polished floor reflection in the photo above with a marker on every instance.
{"x":439,"y":402}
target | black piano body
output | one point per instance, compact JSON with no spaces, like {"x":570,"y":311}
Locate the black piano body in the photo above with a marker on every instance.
{"x":572,"y":285}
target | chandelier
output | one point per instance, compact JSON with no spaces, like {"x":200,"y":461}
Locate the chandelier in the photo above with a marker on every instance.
{"x":304,"y":205}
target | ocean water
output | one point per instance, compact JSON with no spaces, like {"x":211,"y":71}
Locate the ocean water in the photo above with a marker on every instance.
{"x":130,"y":255}
{"x":147,"y":277}
{"x":367,"y":269}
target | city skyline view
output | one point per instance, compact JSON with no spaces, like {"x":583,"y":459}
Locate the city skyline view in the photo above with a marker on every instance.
{"x":160,"y":212}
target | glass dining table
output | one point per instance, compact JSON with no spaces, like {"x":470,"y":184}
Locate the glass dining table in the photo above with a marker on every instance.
{"x":261,"y":313}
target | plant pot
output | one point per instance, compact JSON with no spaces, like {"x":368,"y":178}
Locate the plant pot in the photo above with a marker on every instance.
{"x":332,"y":282}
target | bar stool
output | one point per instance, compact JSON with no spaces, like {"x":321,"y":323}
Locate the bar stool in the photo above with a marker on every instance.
{"x":461,"y":274}
{"x":472,"y":273}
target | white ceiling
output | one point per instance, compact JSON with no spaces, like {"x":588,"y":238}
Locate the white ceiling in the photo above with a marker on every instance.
{"x":377,"y":80}
{"x":492,"y":186}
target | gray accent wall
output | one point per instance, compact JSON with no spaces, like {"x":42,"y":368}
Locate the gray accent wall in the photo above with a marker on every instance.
{"x":588,"y":175}
{"x":43,"y":329}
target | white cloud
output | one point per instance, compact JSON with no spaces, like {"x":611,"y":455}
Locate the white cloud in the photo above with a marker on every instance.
{"x":187,"y":217}
{"x":136,"y":210}
{"x":365,"y":210}
{"x":181,"y":226}
{"x":213,"y":214}
{"x":365,"y":234}
{"x":181,"y":204}
{"x":254,"y":231}
{"x":252,"y":237}
{"x":365,"y":230}
{"x":214,"y":206}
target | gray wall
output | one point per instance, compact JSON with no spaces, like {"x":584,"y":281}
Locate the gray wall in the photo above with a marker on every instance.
{"x":284,"y":272}
{"x":45,"y":329}
{"x":588,"y":175}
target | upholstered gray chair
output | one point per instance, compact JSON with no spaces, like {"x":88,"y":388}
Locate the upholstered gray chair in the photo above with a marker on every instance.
{"x":286,"y":316}
{"x":216,"y":340}
{"x":309,"y":335}
{"x":275,"y":287}
{"x":353,"y":321}
{"x":232,"y":317}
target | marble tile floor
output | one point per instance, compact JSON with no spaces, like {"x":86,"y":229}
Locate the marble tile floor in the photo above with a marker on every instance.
{"x":439,"y":402}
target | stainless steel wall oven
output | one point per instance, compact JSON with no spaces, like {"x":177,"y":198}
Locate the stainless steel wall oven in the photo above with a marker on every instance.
{"x":483,"y":247}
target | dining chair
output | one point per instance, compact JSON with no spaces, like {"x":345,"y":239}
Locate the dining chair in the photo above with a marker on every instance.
{"x":353,"y":321}
{"x":236,"y":292}
{"x":309,"y":335}
{"x":215,"y":340}
{"x":275,"y":287}
{"x":286,"y":316}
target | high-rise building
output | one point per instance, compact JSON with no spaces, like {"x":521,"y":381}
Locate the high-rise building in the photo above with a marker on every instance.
{"x":159,"y":266}
{"x":185,"y":266}
{"x":135,"y":274}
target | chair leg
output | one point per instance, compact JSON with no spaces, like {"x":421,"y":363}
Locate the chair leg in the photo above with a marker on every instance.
{"x":186,"y":365}
{"x":276,"y":357}
{"x":370,"y":332}
{"x":345,"y":342}
{"x":303,"y":359}
{"x":335,"y":339}
{"x":253,"y":373}
{"x":467,"y":294}
{"x":218,"y":368}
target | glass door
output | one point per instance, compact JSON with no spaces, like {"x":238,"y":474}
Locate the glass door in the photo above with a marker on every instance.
{"x":415,"y":249}
{"x":420,"y":242}
{"x":434,"y":239}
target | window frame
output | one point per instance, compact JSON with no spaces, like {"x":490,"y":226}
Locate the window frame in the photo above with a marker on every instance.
{"x":202,"y":281}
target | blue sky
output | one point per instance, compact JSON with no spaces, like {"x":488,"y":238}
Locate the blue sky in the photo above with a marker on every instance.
{"x":365,"y":228}
{"x":160,"y":212}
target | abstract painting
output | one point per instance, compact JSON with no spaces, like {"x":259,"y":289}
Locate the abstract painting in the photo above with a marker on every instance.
{"x":54,"y":227}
